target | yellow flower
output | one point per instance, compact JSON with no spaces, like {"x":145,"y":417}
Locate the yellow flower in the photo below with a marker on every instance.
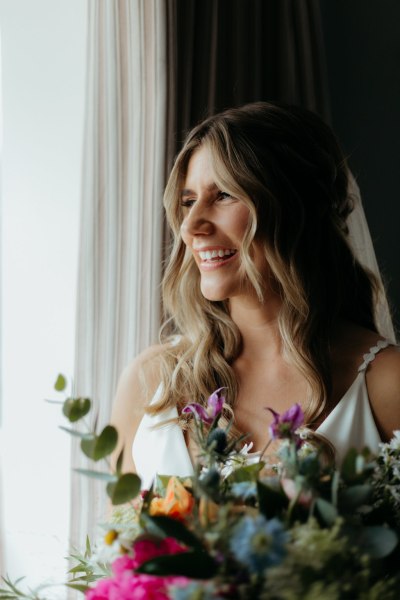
{"x":177,"y":504}
{"x":110,"y":537}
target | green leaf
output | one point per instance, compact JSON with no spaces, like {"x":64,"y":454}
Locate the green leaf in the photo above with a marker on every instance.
{"x":354,"y":496}
{"x":124,"y":489}
{"x":349,"y":465}
{"x":120,"y":459}
{"x":377,"y":541}
{"x":76,"y":408}
{"x":168,"y":527}
{"x":271,"y":499}
{"x":101,"y":445}
{"x":160,"y":484}
{"x":246,"y":473}
{"x":194,"y":564}
{"x":327,"y":511}
{"x":97,"y":475}
{"x":61,"y":383}
{"x":79,"y":587}
{"x":83,"y":436}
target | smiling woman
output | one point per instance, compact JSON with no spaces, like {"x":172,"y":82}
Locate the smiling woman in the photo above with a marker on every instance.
{"x":263,"y":293}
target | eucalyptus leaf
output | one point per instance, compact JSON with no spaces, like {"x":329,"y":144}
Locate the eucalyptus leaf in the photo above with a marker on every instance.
{"x":168,"y":527}
{"x":76,"y":408}
{"x":78,"y":586}
{"x":327,"y":511}
{"x":193,"y":564}
{"x":120,"y":459}
{"x":271,"y":499}
{"x":354,"y":496}
{"x":97,"y":475}
{"x":349,"y":465}
{"x":79,"y":434}
{"x":61,"y":383}
{"x":101,"y":445}
{"x":124,"y":489}
{"x":377,"y":541}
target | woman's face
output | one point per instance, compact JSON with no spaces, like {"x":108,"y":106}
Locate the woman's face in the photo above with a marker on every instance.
{"x":213,"y":228}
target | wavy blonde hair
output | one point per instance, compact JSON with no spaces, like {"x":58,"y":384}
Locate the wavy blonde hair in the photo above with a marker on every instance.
{"x":287,"y":166}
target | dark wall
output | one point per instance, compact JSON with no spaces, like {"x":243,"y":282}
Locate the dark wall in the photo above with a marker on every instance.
{"x":363,"y":59}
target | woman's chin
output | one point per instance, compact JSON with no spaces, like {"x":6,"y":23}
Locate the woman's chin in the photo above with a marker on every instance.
{"x":213,"y":294}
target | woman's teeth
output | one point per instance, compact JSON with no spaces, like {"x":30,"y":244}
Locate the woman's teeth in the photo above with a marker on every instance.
{"x":212,"y":254}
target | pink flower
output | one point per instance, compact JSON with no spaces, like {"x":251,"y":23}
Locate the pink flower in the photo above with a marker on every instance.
{"x":128,"y":585}
{"x":214,"y":407}
{"x":303,"y":497}
{"x":146,"y":549}
{"x":135,"y":587}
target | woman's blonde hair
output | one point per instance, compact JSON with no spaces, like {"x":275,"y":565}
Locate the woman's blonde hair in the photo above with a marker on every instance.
{"x":287,"y":166}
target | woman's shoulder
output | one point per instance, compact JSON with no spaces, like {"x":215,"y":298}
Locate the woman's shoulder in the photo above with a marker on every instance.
{"x":354,"y":344}
{"x":138,"y":382}
{"x":142,"y":374}
{"x":383,"y":383}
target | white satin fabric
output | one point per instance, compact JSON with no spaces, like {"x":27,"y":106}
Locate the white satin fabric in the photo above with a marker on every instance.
{"x":160,"y":447}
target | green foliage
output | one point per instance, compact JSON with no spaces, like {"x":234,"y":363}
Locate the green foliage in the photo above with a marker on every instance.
{"x":194,"y":564}
{"x":164,"y":526}
{"x":76,"y":408}
{"x":13,"y":591}
{"x":123,"y":490}
{"x":61,"y":383}
{"x":100,"y":446}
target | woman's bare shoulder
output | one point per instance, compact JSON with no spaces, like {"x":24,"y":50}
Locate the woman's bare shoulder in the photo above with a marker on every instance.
{"x":136,"y":386}
{"x":383,"y":381}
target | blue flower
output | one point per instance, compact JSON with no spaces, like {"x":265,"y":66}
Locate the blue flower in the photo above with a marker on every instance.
{"x":258,"y":543}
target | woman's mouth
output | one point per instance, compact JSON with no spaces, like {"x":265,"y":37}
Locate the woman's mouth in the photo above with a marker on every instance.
{"x":218,"y":257}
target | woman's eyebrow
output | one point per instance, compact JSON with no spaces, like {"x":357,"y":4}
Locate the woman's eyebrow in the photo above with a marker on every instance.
{"x":188,"y":192}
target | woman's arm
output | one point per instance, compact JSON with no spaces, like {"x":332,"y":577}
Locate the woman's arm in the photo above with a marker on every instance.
{"x":383,"y":382}
{"x":135,"y":389}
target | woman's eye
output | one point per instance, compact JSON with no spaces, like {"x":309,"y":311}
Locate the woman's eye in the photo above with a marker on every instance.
{"x":187,"y":203}
{"x":223,"y":195}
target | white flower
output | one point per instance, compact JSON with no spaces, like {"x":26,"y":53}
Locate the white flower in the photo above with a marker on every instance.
{"x":239,"y":459}
{"x":395,"y":441}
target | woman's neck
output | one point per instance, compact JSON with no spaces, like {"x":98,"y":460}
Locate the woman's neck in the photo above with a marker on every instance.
{"x":258,"y":325}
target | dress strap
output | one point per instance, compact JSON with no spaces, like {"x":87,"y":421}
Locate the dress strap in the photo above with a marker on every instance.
{"x":372,"y":352}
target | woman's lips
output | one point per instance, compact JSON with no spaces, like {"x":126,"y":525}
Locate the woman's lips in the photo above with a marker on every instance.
{"x":217,"y":262}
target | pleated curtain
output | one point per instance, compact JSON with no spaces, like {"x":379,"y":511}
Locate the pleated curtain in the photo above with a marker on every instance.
{"x":118,"y":309}
{"x":155,"y":68}
{"x":225,"y":53}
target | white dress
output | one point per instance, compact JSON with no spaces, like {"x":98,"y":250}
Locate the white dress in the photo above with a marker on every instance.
{"x":161,"y":448}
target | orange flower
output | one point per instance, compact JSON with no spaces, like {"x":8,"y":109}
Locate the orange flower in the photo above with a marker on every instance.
{"x":177,"y":504}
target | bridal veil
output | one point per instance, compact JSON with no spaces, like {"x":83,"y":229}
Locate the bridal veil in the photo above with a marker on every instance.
{"x":361,"y":243}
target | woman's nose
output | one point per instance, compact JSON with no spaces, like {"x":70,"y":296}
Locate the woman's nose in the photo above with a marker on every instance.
{"x":197,"y":221}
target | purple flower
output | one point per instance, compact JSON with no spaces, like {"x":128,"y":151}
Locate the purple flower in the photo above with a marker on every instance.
{"x":214,"y":407}
{"x":285,"y":425}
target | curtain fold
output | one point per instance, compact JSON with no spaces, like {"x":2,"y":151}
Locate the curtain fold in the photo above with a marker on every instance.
{"x":118,"y":309}
{"x":230,"y":52}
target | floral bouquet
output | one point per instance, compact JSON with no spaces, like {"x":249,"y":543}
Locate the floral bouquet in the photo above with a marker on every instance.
{"x":245,"y":526}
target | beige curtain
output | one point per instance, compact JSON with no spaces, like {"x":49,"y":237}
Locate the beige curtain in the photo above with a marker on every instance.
{"x":121,"y":217}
